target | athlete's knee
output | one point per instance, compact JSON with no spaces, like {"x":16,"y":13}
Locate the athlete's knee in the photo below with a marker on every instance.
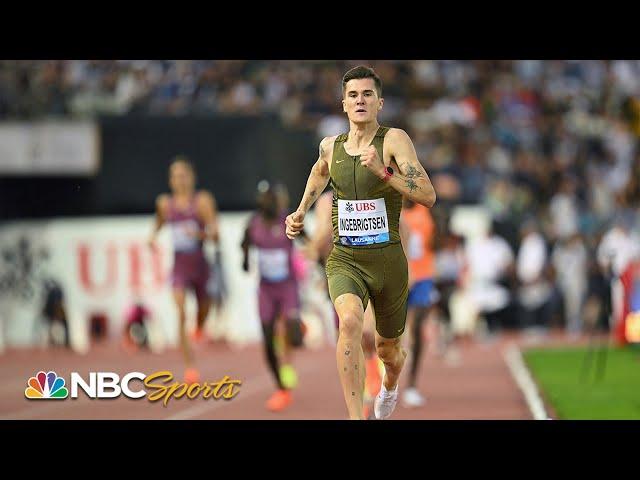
{"x":350,"y":325}
{"x":179,"y":301}
{"x":268,"y":329}
{"x":203,"y":307}
{"x":268,"y":336}
{"x":420,"y":317}
{"x":387,"y":350}
{"x":294,"y":332}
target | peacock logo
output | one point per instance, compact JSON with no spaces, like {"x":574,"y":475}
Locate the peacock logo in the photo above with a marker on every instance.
{"x":46,"y":386}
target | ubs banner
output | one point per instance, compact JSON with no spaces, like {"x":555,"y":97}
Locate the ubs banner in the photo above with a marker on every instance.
{"x":104,"y":265}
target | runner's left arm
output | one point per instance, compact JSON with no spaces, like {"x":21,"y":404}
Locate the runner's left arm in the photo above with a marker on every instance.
{"x":316,"y":183}
{"x":412,"y":180}
{"x":209,"y":213}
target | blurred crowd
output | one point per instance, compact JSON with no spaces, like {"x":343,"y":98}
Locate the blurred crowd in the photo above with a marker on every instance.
{"x":163,"y":87}
{"x":548,"y":148}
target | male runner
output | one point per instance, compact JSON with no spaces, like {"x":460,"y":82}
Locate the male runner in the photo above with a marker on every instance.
{"x":278,"y":291}
{"x":193,"y":219}
{"x":419,"y":250}
{"x":370,"y":168}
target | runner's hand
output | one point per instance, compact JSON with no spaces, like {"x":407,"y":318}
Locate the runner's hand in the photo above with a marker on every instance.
{"x":294,"y":224}
{"x":369,"y":159}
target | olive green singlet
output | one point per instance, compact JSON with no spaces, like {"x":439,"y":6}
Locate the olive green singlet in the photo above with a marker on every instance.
{"x":367,"y":259}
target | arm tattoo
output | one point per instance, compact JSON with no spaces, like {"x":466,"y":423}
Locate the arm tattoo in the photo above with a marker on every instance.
{"x":413,"y":172}
{"x":312,"y":193}
{"x":411,"y":185}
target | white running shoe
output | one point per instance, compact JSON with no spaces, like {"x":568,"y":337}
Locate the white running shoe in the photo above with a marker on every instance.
{"x":385,"y":402}
{"x":411,"y":398}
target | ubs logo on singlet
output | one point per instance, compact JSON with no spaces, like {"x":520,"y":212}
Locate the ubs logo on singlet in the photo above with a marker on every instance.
{"x":365,"y":207}
{"x":349,"y":207}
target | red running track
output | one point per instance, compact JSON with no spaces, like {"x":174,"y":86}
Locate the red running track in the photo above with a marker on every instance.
{"x":477,"y":386}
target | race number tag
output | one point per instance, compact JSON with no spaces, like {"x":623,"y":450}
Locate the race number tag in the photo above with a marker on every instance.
{"x":363,"y":222}
{"x":184,"y":235}
{"x":273,"y":264}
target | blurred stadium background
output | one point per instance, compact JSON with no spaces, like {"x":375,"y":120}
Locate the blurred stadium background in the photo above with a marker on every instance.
{"x":535,"y":163}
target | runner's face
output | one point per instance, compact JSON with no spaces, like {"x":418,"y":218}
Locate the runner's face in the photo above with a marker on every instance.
{"x":181,"y":178}
{"x":267,"y":203}
{"x":361,"y":102}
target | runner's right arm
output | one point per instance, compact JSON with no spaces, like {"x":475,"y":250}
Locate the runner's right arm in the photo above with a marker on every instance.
{"x":162,"y":203}
{"x":317,"y":182}
{"x":208,"y":212}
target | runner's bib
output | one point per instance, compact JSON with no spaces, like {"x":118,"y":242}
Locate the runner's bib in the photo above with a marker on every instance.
{"x":182,"y":233}
{"x":273,"y":264}
{"x":363,"y":222}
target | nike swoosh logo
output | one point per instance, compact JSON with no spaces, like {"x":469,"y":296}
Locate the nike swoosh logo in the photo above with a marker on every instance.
{"x":340,"y":161}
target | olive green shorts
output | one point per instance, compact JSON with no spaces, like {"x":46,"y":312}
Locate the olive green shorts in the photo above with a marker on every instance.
{"x":377,"y":273}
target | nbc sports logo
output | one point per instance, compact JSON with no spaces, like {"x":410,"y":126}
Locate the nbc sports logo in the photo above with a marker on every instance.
{"x":110,"y":385}
{"x":46,"y":386}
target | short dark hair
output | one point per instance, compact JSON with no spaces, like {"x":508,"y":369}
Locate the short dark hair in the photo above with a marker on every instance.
{"x":361,"y":72}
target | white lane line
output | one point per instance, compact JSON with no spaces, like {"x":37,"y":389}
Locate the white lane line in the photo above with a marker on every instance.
{"x":522,"y":376}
